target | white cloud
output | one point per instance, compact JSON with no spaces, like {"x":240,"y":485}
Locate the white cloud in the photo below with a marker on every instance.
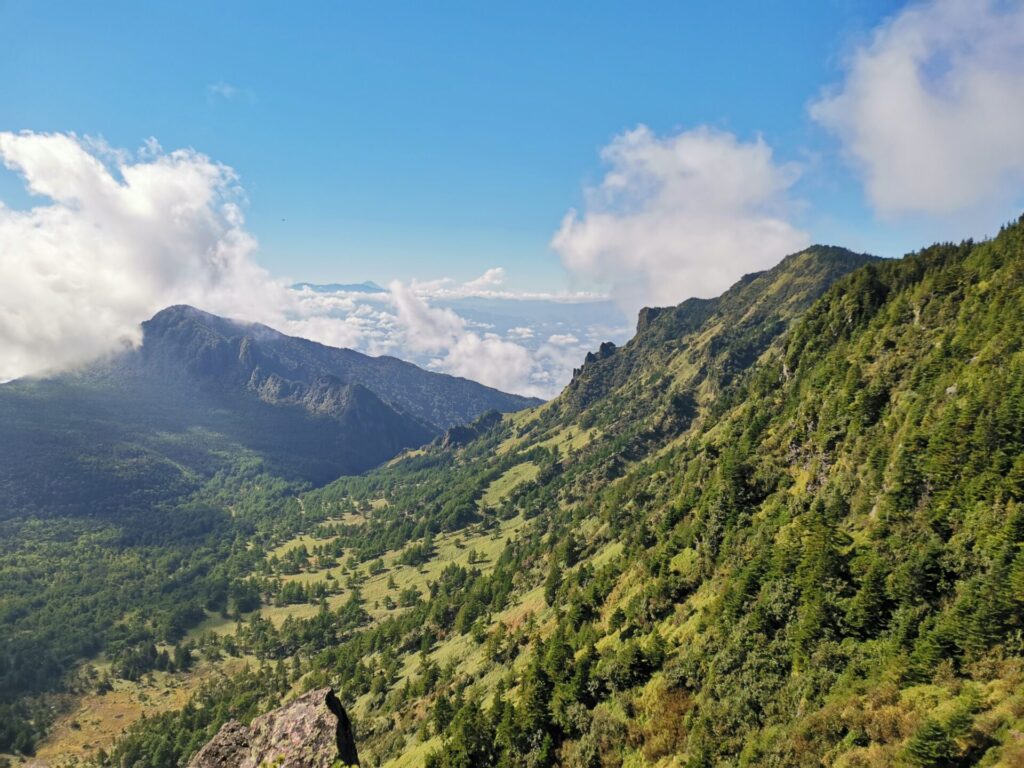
{"x":410,"y":323}
{"x":114,"y":245}
{"x":491,"y":361}
{"x":488,"y":286}
{"x":679,"y":216}
{"x":563,"y":339}
{"x":121,"y":235}
{"x":931,"y":109}
{"x":460,"y":351}
{"x":427,"y":329}
{"x":489,"y":279}
{"x":222,"y":91}
{"x":351,"y":331}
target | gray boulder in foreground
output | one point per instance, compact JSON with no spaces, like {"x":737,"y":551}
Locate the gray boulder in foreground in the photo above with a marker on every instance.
{"x":311,"y":732}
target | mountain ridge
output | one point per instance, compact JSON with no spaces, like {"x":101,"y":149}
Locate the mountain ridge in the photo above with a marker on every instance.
{"x":252,"y":351}
{"x":780,"y":527}
{"x":793,"y":542}
{"x":310,"y":411}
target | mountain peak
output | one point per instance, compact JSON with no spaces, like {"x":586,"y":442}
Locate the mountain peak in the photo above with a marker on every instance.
{"x":180,"y":316}
{"x":829,"y":254}
{"x":756,"y":309}
{"x":216,"y":351}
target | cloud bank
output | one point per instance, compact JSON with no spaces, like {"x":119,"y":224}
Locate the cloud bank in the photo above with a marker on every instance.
{"x":117,"y":236}
{"x":931,"y":110}
{"x":119,"y":239}
{"x":485,"y":357}
{"x":502,"y":341}
{"x":681,"y":215}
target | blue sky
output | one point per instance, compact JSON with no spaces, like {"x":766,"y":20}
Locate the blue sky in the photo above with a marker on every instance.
{"x":520,"y":177}
{"x":385,"y":140}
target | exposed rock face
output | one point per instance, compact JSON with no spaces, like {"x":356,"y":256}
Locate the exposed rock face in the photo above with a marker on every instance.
{"x":646,"y":317}
{"x":311,"y":732}
{"x":223,"y":355}
{"x":606,"y":350}
{"x":456,"y":437}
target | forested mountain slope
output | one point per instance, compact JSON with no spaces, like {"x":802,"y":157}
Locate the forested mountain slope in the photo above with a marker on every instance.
{"x":152,"y":423}
{"x":131,"y":491}
{"x":772,"y":530}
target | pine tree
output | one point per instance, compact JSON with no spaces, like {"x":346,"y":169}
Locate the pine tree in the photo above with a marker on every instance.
{"x":471,"y":741}
{"x":533,"y":713}
{"x":552,"y":583}
{"x":930,"y":745}
{"x":182,"y":658}
{"x":442,"y":714}
{"x":867,"y":612}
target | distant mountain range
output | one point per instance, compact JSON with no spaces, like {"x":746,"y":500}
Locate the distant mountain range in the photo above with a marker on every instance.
{"x":365,"y":287}
{"x":202,"y":391}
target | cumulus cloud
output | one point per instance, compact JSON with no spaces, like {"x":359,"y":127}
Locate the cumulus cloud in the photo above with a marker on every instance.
{"x":119,"y":238}
{"x":931,"y":109}
{"x":353,"y":331}
{"x":681,"y":215}
{"x":462,"y":352}
{"x":410,"y":321}
{"x":563,"y":339}
{"x":488,"y":286}
{"x":427,"y":329}
{"x":489,"y":279}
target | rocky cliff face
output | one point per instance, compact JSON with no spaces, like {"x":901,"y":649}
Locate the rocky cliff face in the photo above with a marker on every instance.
{"x":182,"y":343}
{"x":311,"y":732}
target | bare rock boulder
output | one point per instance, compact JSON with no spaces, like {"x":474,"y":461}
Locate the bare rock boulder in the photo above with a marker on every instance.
{"x":311,"y":732}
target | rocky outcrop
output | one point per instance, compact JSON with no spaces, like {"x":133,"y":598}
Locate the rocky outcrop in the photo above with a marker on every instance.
{"x":647,"y":316}
{"x":606,"y":350}
{"x":456,"y":437}
{"x":311,"y":732}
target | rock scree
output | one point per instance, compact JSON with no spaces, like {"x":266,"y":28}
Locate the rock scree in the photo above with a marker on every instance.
{"x":311,"y":732}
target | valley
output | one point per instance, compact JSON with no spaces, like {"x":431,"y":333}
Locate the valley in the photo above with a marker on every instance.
{"x":512,"y":385}
{"x":780,"y":527}
{"x":139,"y":491}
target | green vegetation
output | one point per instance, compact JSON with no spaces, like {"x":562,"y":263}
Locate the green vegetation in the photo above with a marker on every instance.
{"x":139,"y":493}
{"x":72,"y":587}
{"x":784,"y":527}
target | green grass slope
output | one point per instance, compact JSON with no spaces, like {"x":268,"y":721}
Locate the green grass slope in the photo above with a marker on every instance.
{"x":780,"y":528}
{"x":134,"y":493}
